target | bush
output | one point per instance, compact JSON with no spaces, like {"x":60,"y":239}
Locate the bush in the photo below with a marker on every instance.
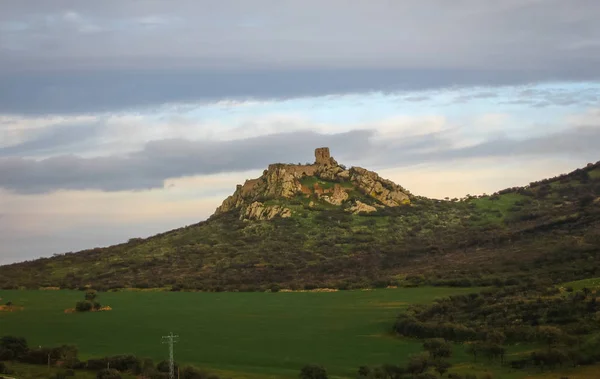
{"x":189,"y":372}
{"x":125,"y":363}
{"x":12,"y":347}
{"x":84,"y":306}
{"x":163,"y":366}
{"x":4,"y":369}
{"x":95,"y":364}
{"x":91,"y":294}
{"x":364,"y":371}
{"x":313,"y":372}
{"x":108,"y":373}
{"x":275,"y":288}
{"x":6,"y":355}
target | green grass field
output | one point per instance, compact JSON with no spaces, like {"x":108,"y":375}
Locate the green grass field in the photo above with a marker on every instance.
{"x":237,"y":335}
{"x":577,"y":285}
{"x":261,"y":333}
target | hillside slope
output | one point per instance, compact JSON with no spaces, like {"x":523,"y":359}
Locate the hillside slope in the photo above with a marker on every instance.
{"x":322,"y":225}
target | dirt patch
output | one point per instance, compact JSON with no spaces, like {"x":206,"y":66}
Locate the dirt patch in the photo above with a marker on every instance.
{"x":315,"y":290}
{"x":10,"y":308}
{"x":392,"y":304}
{"x":102,"y":309}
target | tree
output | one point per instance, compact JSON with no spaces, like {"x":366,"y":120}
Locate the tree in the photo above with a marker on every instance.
{"x":108,"y":373}
{"x":496,"y":337}
{"x":551,"y":335}
{"x":438,"y":348}
{"x":83,"y":306}
{"x":441,"y":367}
{"x":13,"y":347}
{"x":418,"y":363}
{"x":313,"y":372}
{"x":275,"y":288}
{"x":392,"y":371}
{"x":91,"y":295}
{"x":364,"y":371}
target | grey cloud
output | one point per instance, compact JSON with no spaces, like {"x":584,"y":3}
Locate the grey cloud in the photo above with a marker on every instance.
{"x":416,"y":98}
{"x":478,"y":95}
{"x":53,"y":138}
{"x":541,"y":98}
{"x":160,"y":160}
{"x":77,"y":56}
{"x":576,"y":142}
{"x":100,"y":91}
{"x":485,"y":95}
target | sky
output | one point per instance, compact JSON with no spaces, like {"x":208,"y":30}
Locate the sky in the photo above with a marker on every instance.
{"x":122,"y":119}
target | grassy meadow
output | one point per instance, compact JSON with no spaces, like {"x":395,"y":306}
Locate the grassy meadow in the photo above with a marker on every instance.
{"x":237,"y":334}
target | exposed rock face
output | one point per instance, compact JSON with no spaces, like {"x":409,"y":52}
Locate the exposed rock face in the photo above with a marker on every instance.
{"x":331,"y":172}
{"x":278,"y":181}
{"x":386,"y":191}
{"x":283,"y":181}
{"x":337,"y":197}
{"x":258,"y":211}
{"x":359,"y":206}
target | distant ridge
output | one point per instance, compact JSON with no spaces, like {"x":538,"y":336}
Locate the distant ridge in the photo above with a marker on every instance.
{"x":325,"y":226}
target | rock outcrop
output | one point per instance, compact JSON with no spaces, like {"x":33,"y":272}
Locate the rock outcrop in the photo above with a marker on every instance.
{"x":337,"y":197}
{"x":386,"y":191}
{"x":258,"y":211}
{"x":285,"y":181}
{"x":359,"y":206}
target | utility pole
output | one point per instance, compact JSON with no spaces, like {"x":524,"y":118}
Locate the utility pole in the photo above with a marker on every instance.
{"x":170,"y":340}
{"x":40,"y":347}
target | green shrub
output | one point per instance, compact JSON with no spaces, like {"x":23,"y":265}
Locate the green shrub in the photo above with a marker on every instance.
{"x":313,"y":372}
{"x":108,"y":373}
{"x":84,"y":306}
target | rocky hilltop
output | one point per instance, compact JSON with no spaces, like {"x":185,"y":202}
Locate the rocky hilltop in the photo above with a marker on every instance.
{"x":323,"y":183}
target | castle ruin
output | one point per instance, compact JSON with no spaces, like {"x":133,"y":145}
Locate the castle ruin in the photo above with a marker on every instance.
{"x":322,"y":156}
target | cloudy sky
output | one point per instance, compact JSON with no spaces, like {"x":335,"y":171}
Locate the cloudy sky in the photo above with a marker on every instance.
{"x":122,"y":119}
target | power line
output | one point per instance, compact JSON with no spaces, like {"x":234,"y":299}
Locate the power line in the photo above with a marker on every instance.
{"x":171,"y":339}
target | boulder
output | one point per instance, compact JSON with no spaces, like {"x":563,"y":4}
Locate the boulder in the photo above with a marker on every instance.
{"x":337,"y":197}
{"x":386,"y":191}
{"x":359,"y":206}
{"x":258,"y":211}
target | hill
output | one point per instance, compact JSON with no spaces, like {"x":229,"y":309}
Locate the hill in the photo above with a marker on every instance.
{"x":322,"y":225}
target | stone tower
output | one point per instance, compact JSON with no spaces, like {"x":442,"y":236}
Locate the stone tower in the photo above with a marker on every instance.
{"x":322,"y":156}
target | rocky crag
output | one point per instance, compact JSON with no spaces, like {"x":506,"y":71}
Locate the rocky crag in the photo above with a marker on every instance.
{"x":324,"y":182}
